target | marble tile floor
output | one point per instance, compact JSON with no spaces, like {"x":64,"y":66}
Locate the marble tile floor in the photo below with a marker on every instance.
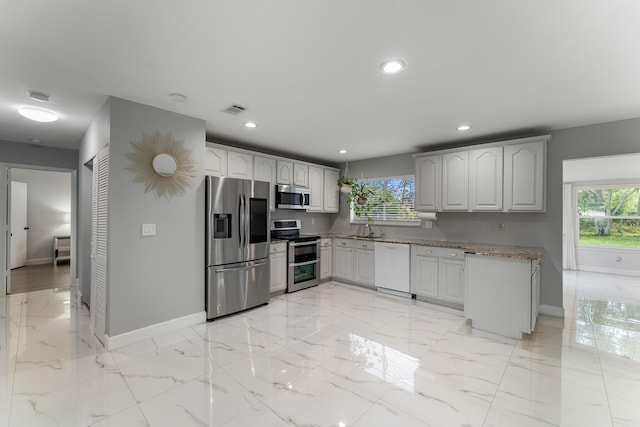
{"x":333,"y":355}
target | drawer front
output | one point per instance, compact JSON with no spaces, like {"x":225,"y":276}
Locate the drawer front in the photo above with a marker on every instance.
{"x":326,"y":242}
{"x":343,"y":243}
{"x":362,"y":244}
{"x":276,"y":248}
{"x":440,"y":252}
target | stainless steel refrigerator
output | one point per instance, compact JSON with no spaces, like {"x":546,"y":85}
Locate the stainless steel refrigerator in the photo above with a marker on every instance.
{"x":237,"y":245}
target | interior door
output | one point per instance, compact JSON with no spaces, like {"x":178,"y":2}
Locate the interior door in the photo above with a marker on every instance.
{"x":99,"y":244}
{"x":18,"y":223}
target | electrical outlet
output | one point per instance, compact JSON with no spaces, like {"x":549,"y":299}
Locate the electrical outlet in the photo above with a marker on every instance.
{"x":500,"y":226}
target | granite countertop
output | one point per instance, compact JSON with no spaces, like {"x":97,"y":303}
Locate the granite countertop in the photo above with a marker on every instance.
{"x":518,"y":252}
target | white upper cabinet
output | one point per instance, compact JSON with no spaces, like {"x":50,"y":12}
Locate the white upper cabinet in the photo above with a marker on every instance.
{"x":331,"y":190}
{"x":455,"y":181}
{"x":300,"y":175}
{"x":285,"y":172}
{"x":485,"y":179}
{"x":264,"y":169}
{"x":215,"y":161}
{"x":524,"y":176}
{"x":428,"y":186}
{"x":316,"y":189}
{"x":239,"y":165}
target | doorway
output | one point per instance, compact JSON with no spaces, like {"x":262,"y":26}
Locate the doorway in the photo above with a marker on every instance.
{"x":39,"y":203}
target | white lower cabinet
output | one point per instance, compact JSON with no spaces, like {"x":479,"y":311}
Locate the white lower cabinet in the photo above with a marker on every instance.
{"x":364,"y":262}
{"x":278,"y":266}
{"x":326,"y":253}
{"x":438,"y":273}
{"x":343,"y":259}
{"x":502,"y":294}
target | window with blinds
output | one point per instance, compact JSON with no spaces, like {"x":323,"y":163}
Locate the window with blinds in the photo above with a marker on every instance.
{"x":400,"y":210}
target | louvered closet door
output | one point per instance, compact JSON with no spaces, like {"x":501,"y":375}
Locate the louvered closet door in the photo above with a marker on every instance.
{"x":99,"y":279}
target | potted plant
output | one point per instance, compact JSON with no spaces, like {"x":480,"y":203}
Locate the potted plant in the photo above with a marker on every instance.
{"x":364,"y":199}
{"x":345,"y":183}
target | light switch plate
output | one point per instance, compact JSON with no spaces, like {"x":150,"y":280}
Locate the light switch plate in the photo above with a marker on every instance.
{"x":148,"y":229}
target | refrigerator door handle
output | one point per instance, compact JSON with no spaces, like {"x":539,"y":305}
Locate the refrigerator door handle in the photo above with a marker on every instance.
{"x":247,"y":215}
{"x":241,"y":221}
{"x":242,"y":267}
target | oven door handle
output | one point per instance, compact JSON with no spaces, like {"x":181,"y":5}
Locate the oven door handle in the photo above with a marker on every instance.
{"x":315,"y":242}
{"x":300,"y":264}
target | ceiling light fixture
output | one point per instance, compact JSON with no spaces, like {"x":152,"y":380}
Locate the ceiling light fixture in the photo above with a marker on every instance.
{"x":464,"y":127}
{"x":178,"y":97}
{"x":38,"y":115}
{"x":250,"y":125}
{"x":342,"y":151}
{"x":393,"y":66}
{"x":39,"y":96}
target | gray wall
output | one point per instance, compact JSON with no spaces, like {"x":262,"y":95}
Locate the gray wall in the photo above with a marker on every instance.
{"x":48,"y":200}
{"x":158,"y":278}
{"x":533,"y":229}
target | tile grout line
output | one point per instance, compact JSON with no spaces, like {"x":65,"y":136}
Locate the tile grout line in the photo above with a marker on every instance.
{"x":504,"y":372}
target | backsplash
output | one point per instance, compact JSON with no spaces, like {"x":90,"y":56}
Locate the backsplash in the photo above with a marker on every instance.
{"x":310,"y":222}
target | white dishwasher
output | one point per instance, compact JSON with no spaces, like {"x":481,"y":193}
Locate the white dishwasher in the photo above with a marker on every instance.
{"x":393,"y":267}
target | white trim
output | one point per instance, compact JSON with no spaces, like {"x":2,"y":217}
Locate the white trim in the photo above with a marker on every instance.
{"x":39,"y":261}
{"x":616,"y":271}
{"x":610,"y":248}
{"x":551,"y":310}
{"x":137,"y":335}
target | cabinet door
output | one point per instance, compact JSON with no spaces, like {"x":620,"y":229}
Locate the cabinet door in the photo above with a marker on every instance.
{"x":300,"y":175}
{"x":364,"y":266}
{"x":524,"y":179}
{"x":215,"y":161}
{"x":278,"y":270}
{"x":316,"y":189}
{"x":425,"y":276}
{"x":331,"y":191}
{"x":455,"y":181}
{"x":264,"y":169}
{"x":451,"y":280}
{"x":343,"y":263}
{"x":485,"y":179}
{"x":325,"y":261}
{"x":428,"y":183}
{"x":240,"y":165}
{"x":285,"y":172}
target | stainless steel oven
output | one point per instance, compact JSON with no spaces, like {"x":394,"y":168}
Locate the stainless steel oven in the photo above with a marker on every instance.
{"x":304,"y":264}
{"x":303,"y":259}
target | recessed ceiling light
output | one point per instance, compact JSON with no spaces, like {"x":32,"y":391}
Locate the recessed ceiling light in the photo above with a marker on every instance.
{"x":342,"y":151}
{"x":250,"y":125}
{"x":38,"y":96}
{"x":178,"y":97}
{"x":37,"y":114}
{"x":464,"y":127}
{"x":393,"y":66}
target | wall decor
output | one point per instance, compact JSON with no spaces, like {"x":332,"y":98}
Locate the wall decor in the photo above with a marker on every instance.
{"x":163,"y":164}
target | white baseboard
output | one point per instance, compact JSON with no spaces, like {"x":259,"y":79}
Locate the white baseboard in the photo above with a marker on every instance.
{"x":617,"y":271}
{"x":150,"y":331}
{"x":551,"y":310}
{"x":39,"y":261}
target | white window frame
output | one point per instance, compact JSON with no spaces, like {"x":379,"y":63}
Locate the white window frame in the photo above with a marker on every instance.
{"x":355,"y":220}
{"x":582,"y":187}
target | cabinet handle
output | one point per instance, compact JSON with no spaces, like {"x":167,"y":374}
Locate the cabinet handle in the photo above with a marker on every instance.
{"x":428,"y":252}
{"x":343,"y":243}
{"x":453,"y":254}
{"x":364,"y":246}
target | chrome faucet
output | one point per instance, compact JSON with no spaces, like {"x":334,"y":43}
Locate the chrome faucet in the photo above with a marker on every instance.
{"x":369,"y":230}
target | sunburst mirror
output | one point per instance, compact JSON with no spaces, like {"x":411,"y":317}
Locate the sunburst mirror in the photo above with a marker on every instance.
{"x":162,"y":164}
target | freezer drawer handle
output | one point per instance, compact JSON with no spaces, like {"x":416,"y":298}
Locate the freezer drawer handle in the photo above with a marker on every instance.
{"x":244,"y":267}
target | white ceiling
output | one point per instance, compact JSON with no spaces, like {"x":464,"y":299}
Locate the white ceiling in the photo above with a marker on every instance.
{"x":308,"y":70}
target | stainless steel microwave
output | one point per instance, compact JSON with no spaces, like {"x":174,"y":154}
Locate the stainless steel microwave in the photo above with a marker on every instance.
{"x":292,"y":197}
